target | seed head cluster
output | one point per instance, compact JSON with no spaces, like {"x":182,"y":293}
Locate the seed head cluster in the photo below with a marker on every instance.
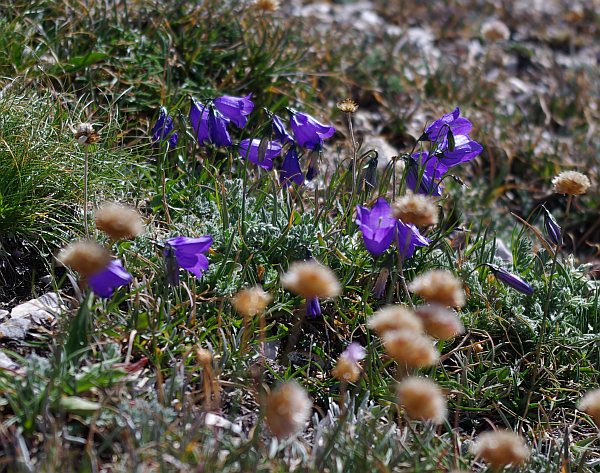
{"x":590,"y":403}
{"x":501,"y":448}
{"x":347,"y":106}
{"x":311,"y":279}
{"x":420,"y":210}
{"x":495,"y":30}
{"x":571,"y":183}
{"x":439,"y":286}
{"x":287,"y":409}
{"x":251,"y":301}
{"x":395,"y":317}
{"x":412,"y":349}
{"x":440,"y":322}
{"x":422,"y":399}
{"x":119,"y":222}
{"x":85,"y":134}
{"x":85,"y":257}
{"x":346,"y":370}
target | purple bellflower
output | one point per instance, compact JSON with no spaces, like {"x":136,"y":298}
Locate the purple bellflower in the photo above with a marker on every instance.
{"x":249,"y":149}
{"x":308,"y":132}
{"x":189,"y":254}
{"x":432,"y":171}
{"x":465,"y":149}
{"x":354,"y":352}
{"x":235,"y":109}
{"x":105,"y":281}
{"x":290,"y":169}
{"x":313,"y":308}
{"x":377,"y":226}
{"x":438,"y":130}
{"x":510,"y":279}
{"x":552,"y":228}
{"x":409,"y":238}
{"x":162,"y":128}
{"x":210,"y":126}
{"x":279,"y":130}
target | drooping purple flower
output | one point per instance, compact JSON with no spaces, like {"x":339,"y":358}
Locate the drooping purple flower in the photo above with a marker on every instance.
{"x":354,"y":352}
{"x":290,"y":169}
{"x":189,"y":253}
{"x":162,"y":128}
{"x":377,"y":226}
{"x":552,"y":228}
{"x":235,"y":109}
{"x":465,"y":149}
{"x":409,"y":238}
{"x":431,"y":171}
{"x":249,"y":149}
{"x":313,"y":308}
{"x":511,"y":280}
{"x":309,"y":132}
{"x":279,"y":130}
{"x":438,"y":130}
{"x":104,"y":282}
{"x":210,"y":126}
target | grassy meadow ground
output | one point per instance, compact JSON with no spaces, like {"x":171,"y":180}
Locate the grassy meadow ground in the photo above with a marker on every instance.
{"x":125,"y":383}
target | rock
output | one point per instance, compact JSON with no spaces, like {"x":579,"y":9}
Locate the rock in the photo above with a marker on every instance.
{"x":31,"y":314}
{"x":7,"y":364}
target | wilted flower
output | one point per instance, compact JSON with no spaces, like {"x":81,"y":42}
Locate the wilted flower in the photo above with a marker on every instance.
{"x":188,"y":253}
{"x":290,"y":169}
{"x":287,"y":409}
{"x":309,"y":132}
{"x":311,"y":279}
{"x":501,"y":448}
{"x":85,"y":257}
{"x":571,"y":183}
{"x":251,"y":301}
{"x":422,"y":399}
{"x":495,"y":30}
{"x":511,"y":280}
{"x":440,"y":322}
{"x":210,"y":126}
{"x":394,"y":317}
{"x":410,"y":348}
{"x":251,"y":150}
{"x":347,"y":106}
{"x":105,"y":281}
{"x":590,"y":403}
{"x":416,"y":209}
{"x":552,"y":228}
{"x":162,"y":128}
{"x":377,"y":226}
{"x":85,"y":134}
{"x":438,"y":130}
{"x":119,"y":221}
{"x":235,"y":109}
{"x":439,"y":286}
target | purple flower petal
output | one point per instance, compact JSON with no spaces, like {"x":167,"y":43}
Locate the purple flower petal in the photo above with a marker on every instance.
{"x":313,"y":308}
{"x":432,"y":171}
{"x":377,"y":226}
{"x":189,"y":253}
{"x":552,"y":228}
{"x":162,"y":128}
{"x":309,"y":132}
{"x":248,"y":149}
{"x":511,"y":280}
{"x":217,"y":126}
{"x":465,"y":150}
{"x":290,"y":169}
{"x":235,"y":109}
{"x":279,"y":130}
{"x":199,"y":121}
{"x":438,"y":130}
{"x":409,"y":238}
{"x":104,"y":282}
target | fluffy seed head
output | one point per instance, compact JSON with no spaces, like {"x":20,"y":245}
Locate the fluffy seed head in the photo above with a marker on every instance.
{"x":501,"y":448}
{"x":287,"y":409}
{"x":119,"y":222}
{"x":395,"y":317}
{"x":440,"y":322}
{"x":439,"y":286}
{"x":203,"y":356}
{"x":85,"y":257}
{"x":346,"y":370}
{"x":590,"y":403}
{"x":410,"y":348}
{"x":422,"y":399}
{"x":420,"y":210}
{"x":571,"y":183}
{"x":495,"y":30}
{"x":347,"y":106}
{"x":251,"y":301}
{"x":85,"y":134}
{"x":267,"y":5}
{"x":311,"y":279}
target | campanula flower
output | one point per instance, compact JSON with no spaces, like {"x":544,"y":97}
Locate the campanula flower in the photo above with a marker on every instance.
{"x":313,"y":307}
{"x":308,"y":132}
{"x":188,"y":253}
{"x":438,"y":130}
{"x":409,"y":238}
{"x":432,"y":171}
{"x":552,"y":228}
{"x":377,"y":226}
{"x":510,"y":279}
{"x":250,"y":149}
{"x":210,"y":126}
{"x":162,"y":128}
{"x":290,"y":169}
{"x":235,"y":109}
{"x":279,"y":130}
{"x":105,"y":281}
{"x":465,"y":149}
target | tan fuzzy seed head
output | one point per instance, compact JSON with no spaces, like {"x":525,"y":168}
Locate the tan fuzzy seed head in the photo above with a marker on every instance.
{"x":439,"y":286}
{"x":347,"y":106}
{"x":571,"y":183}
{"x":495,"y":30}
{"x":501,"y":448}
{"x":346,"y":370}
{"x":267,"y":5}
{"x":287,"y":409}
{"x":203,"y":356}
{"x":422,"y":399}
{"x":420,"y":210}
{"x":251,"y":301}
{"x":85,"y":134}
{"x":311,"y":279}
{"x":119,"y":222}
{"x":410,"y":348}
{"x":440,"y":322}
{"x":85,"y":257}
{"x":590,"y":404}
{"x":394,"y":317}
